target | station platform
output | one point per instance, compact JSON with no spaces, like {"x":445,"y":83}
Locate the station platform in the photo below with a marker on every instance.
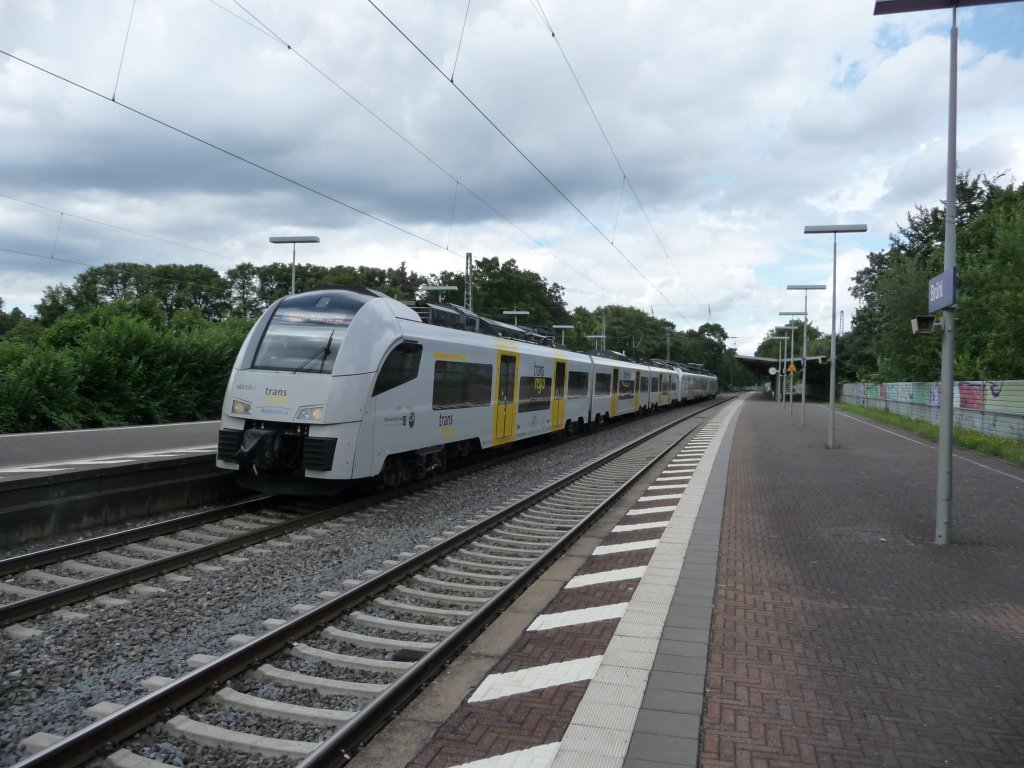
{"x":45,"y":454}
{"x":787,"y":607}
{"x":58,"y":483}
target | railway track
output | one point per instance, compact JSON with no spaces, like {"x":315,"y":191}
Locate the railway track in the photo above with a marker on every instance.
{"x":44,"y":581}
{"x":318,"y":686}
{"x":47,"y":580}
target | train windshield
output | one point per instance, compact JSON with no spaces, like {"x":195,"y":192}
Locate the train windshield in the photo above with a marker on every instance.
{"x":305,"y":333}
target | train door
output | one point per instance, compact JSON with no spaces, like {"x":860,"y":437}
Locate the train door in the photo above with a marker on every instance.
{"x":558,"y":404}
{"x":505,"y":398}
{"x":615,"y":393}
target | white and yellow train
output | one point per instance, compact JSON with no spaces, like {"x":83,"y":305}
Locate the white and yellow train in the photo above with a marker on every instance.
{"x":348,"y":384}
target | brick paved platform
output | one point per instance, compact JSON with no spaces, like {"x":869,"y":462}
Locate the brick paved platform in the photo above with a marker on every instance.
{"x":790,"y":609}
{"x":842,"y":636}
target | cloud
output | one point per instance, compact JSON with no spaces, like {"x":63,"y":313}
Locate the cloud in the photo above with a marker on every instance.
{"x":734,"y":124}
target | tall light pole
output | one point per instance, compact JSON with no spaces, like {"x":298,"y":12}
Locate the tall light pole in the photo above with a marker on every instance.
{"x":789,"y":358}
{"x":293,"y":239}
{"x":944,"y":503}
{"x":778,"y":371}
{"x":834,"y":230}
{"x":793,"y":356}
{"x":803,"y":386}
{"x":563,"y":327}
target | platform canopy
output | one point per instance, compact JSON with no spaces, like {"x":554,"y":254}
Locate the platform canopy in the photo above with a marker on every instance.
{"x":762,"y":364}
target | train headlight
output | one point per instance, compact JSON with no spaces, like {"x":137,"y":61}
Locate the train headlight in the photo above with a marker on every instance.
{"x":241,"y":408}
{"x":310,"y":413}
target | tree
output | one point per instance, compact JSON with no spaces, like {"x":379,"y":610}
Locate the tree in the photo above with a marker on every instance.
{"x":892,"y":289}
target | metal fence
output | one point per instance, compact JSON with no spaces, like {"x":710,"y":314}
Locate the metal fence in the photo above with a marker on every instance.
{"x":991,"y":407}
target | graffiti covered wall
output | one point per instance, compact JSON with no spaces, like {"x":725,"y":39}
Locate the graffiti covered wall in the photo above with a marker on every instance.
{"x":992,"y":407}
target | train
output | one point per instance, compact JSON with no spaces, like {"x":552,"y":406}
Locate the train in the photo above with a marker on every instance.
{"x":347,"y":384}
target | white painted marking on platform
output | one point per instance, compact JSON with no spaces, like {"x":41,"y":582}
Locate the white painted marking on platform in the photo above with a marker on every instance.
{"x":633,"y":546}
{"x":577,"y":617}
{"x":650,"y":510}
{"x":504,"y":684}
{"x":639,"y":526}
{"x":663,"y":497}
{"x":672,"y":485}
{"x":534,"y":757}
{"x":606,"y":577}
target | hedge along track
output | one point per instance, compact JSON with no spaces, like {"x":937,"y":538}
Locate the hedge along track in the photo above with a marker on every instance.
{"x":399,"y":629}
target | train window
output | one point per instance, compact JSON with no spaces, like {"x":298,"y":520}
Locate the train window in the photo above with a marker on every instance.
{"x":602,"y":384}
{"x":645,"y":383}
{"x":461,"y":385}
{"x":578,"y":383}
{"x":534,"y":393}
{"x":401,"y":365}
{"x":306,"y":333}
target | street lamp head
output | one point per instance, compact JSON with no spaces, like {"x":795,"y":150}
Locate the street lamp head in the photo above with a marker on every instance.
{"x":441,"y":290}
{"x":806,"y":287}
{"x":296,"y":239}
{"x":802,"y":314}
{"x":821,"y":229}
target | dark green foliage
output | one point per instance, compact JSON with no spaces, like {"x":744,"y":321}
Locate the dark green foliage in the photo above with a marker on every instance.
{"x":38,"y":389}
{"x":893,"y":288}
{"x":117,"y":364}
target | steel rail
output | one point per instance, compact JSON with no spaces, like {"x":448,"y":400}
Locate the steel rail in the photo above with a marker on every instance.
{"x":29,"y":607}
{"x":89,"y":546}
{"x":82,"y":745}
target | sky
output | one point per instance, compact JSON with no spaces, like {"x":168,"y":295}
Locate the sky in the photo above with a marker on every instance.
{"x":658,"y":154}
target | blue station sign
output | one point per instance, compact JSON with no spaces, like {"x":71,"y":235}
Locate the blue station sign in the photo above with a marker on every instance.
{"x":942,"y":291}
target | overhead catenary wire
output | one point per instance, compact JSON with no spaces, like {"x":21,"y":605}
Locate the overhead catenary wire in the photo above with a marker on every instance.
{"x":320,"y":193}
{"x":115,"y":226}
{"x":522,"y":154}
{"x":223,"y":150}
{"x":257,"y":24}
{"x":124,"y":48}
{"x":625,"y":176}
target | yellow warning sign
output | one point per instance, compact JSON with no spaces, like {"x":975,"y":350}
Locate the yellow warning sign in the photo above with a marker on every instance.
{"x":792,"y":368}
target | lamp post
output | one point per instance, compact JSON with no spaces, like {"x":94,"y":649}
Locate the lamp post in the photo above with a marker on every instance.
{"x":516,"y":313}
{"x":789,"y":359}
{"x":834,"y":230}
{"x":441,"y":289}
{"x":944,"y":502}
{"x":803,"y":386}
{"x":563,"y":327}
{"x":293,"y":239}
{"x":778,"y":371}
{"x":793,"y":358}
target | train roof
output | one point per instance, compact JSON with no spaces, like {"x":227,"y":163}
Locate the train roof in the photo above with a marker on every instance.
{"x":460,"y":318}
